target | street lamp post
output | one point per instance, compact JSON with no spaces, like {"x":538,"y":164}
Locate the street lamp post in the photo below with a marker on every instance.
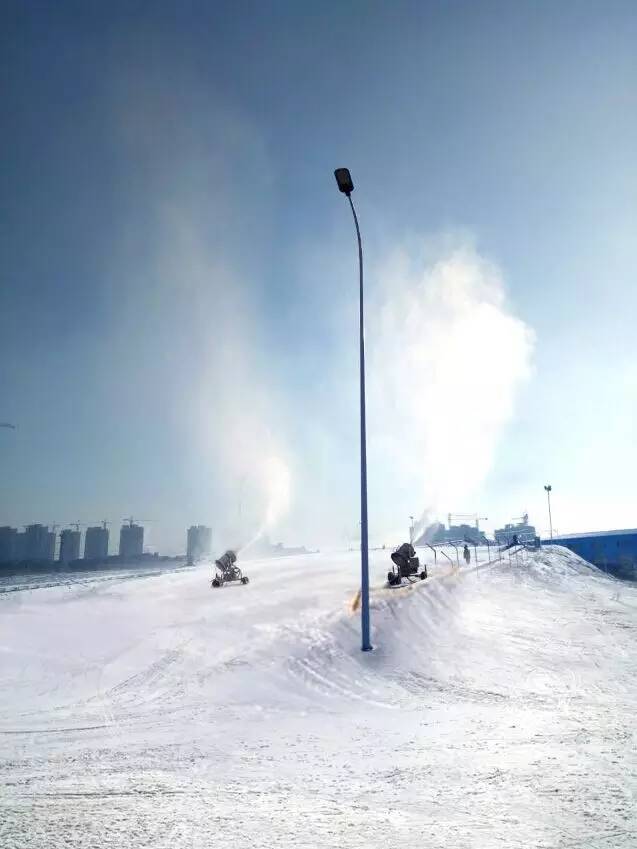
{"x":411,"y":530}
{"x":548,"y":489}
{"x":345,"y":185}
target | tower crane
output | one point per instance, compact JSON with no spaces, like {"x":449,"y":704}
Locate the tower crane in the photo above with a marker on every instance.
{"x":523,"y":519}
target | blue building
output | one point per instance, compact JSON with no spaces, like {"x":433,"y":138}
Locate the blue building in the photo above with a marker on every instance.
{"x":612,"y":551}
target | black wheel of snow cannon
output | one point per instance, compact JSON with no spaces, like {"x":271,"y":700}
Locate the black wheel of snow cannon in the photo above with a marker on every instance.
{"x":245,"y":580}
{"x":423,"y":574}
{"x":215,"y":582}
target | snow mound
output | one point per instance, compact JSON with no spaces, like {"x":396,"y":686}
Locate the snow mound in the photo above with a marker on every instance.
{"x":555,"y":563}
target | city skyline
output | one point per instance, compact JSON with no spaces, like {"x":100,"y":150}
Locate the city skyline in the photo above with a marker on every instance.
{"x":39,"y":542}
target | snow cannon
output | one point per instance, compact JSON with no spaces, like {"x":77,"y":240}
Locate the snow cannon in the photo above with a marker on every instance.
{"x":406,"y":565}
{"x":227,"y":571}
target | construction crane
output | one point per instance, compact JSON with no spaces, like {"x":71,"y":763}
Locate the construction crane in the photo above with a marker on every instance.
{"x":131,"y":521}
{"x":523,"y":519}
{"x":474,"y":516}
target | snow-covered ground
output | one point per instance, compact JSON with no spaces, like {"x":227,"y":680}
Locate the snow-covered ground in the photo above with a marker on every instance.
{"x":497,"y":710}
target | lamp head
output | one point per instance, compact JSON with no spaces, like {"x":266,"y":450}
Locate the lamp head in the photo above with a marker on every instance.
{"x":344,"y":181}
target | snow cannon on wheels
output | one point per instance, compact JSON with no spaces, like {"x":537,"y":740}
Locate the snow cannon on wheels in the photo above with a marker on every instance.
{"x":406,"y":565}
{"x":227,"y":572}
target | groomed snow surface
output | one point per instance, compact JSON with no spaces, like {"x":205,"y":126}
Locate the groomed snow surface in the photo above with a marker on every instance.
{"x":497,"y":710}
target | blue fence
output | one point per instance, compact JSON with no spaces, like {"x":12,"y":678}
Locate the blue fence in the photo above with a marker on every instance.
{"x":612,"y":551}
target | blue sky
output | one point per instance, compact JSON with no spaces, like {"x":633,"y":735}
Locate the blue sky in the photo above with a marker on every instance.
{"x":178,"y":293}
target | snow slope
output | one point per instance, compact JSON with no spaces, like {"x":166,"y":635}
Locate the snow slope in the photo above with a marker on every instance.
{"x":496,"y":710}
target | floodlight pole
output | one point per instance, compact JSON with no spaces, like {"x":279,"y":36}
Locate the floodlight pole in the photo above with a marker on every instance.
{"x":346,"y":186}
{"x":548,"y":489}
{"x":365,"y":626}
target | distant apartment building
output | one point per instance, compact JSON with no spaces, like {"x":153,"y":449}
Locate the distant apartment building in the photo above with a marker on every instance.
{"x":198,"y":542}
{"x":96,"y":544}
{"x":69,"y":545}
{"x":39,"y":543}
{"x":50,"y":545}
{"x":20,"y":546}
{"x":8,"y":544}
{"x":465,"y":533}
{"x":519,"y":531}
{"x":436,"y":534}
{"x":131,"y":540}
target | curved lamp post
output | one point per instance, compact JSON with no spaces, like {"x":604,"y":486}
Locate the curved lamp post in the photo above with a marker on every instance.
{"x":345,"y":185}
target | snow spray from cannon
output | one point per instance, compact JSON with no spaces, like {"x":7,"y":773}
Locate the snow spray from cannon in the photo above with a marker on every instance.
{"x":438,"y":329}
{"x":275,"y":485}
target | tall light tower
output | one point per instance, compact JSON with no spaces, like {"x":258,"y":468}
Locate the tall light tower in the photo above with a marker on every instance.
{"x":346,"y":186}
{"x":411,"y":530}
{"x":548,"y":489}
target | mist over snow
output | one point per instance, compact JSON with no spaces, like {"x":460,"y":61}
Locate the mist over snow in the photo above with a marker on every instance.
{"x":191,"y":324}
{"x":220,"y":401}
{"x":254,"y":442}
{"x":447,"y":357}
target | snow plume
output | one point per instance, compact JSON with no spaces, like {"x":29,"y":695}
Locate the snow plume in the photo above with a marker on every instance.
{"x":232,"y":416}
{"x":240,"y":430}
{"x":277,"y":487}
{"x":271,"y":484}
{"x":189,"y":307}
{"x":446,"y":356}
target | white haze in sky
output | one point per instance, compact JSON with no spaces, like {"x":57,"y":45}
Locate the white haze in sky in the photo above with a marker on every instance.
{"x":237,"y":421}
{"x":446,"y":356}
{"x":209,"y":373}
{"x":446,"y":359}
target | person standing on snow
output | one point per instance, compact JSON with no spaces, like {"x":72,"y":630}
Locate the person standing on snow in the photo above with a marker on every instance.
{"x":467,"y":555}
